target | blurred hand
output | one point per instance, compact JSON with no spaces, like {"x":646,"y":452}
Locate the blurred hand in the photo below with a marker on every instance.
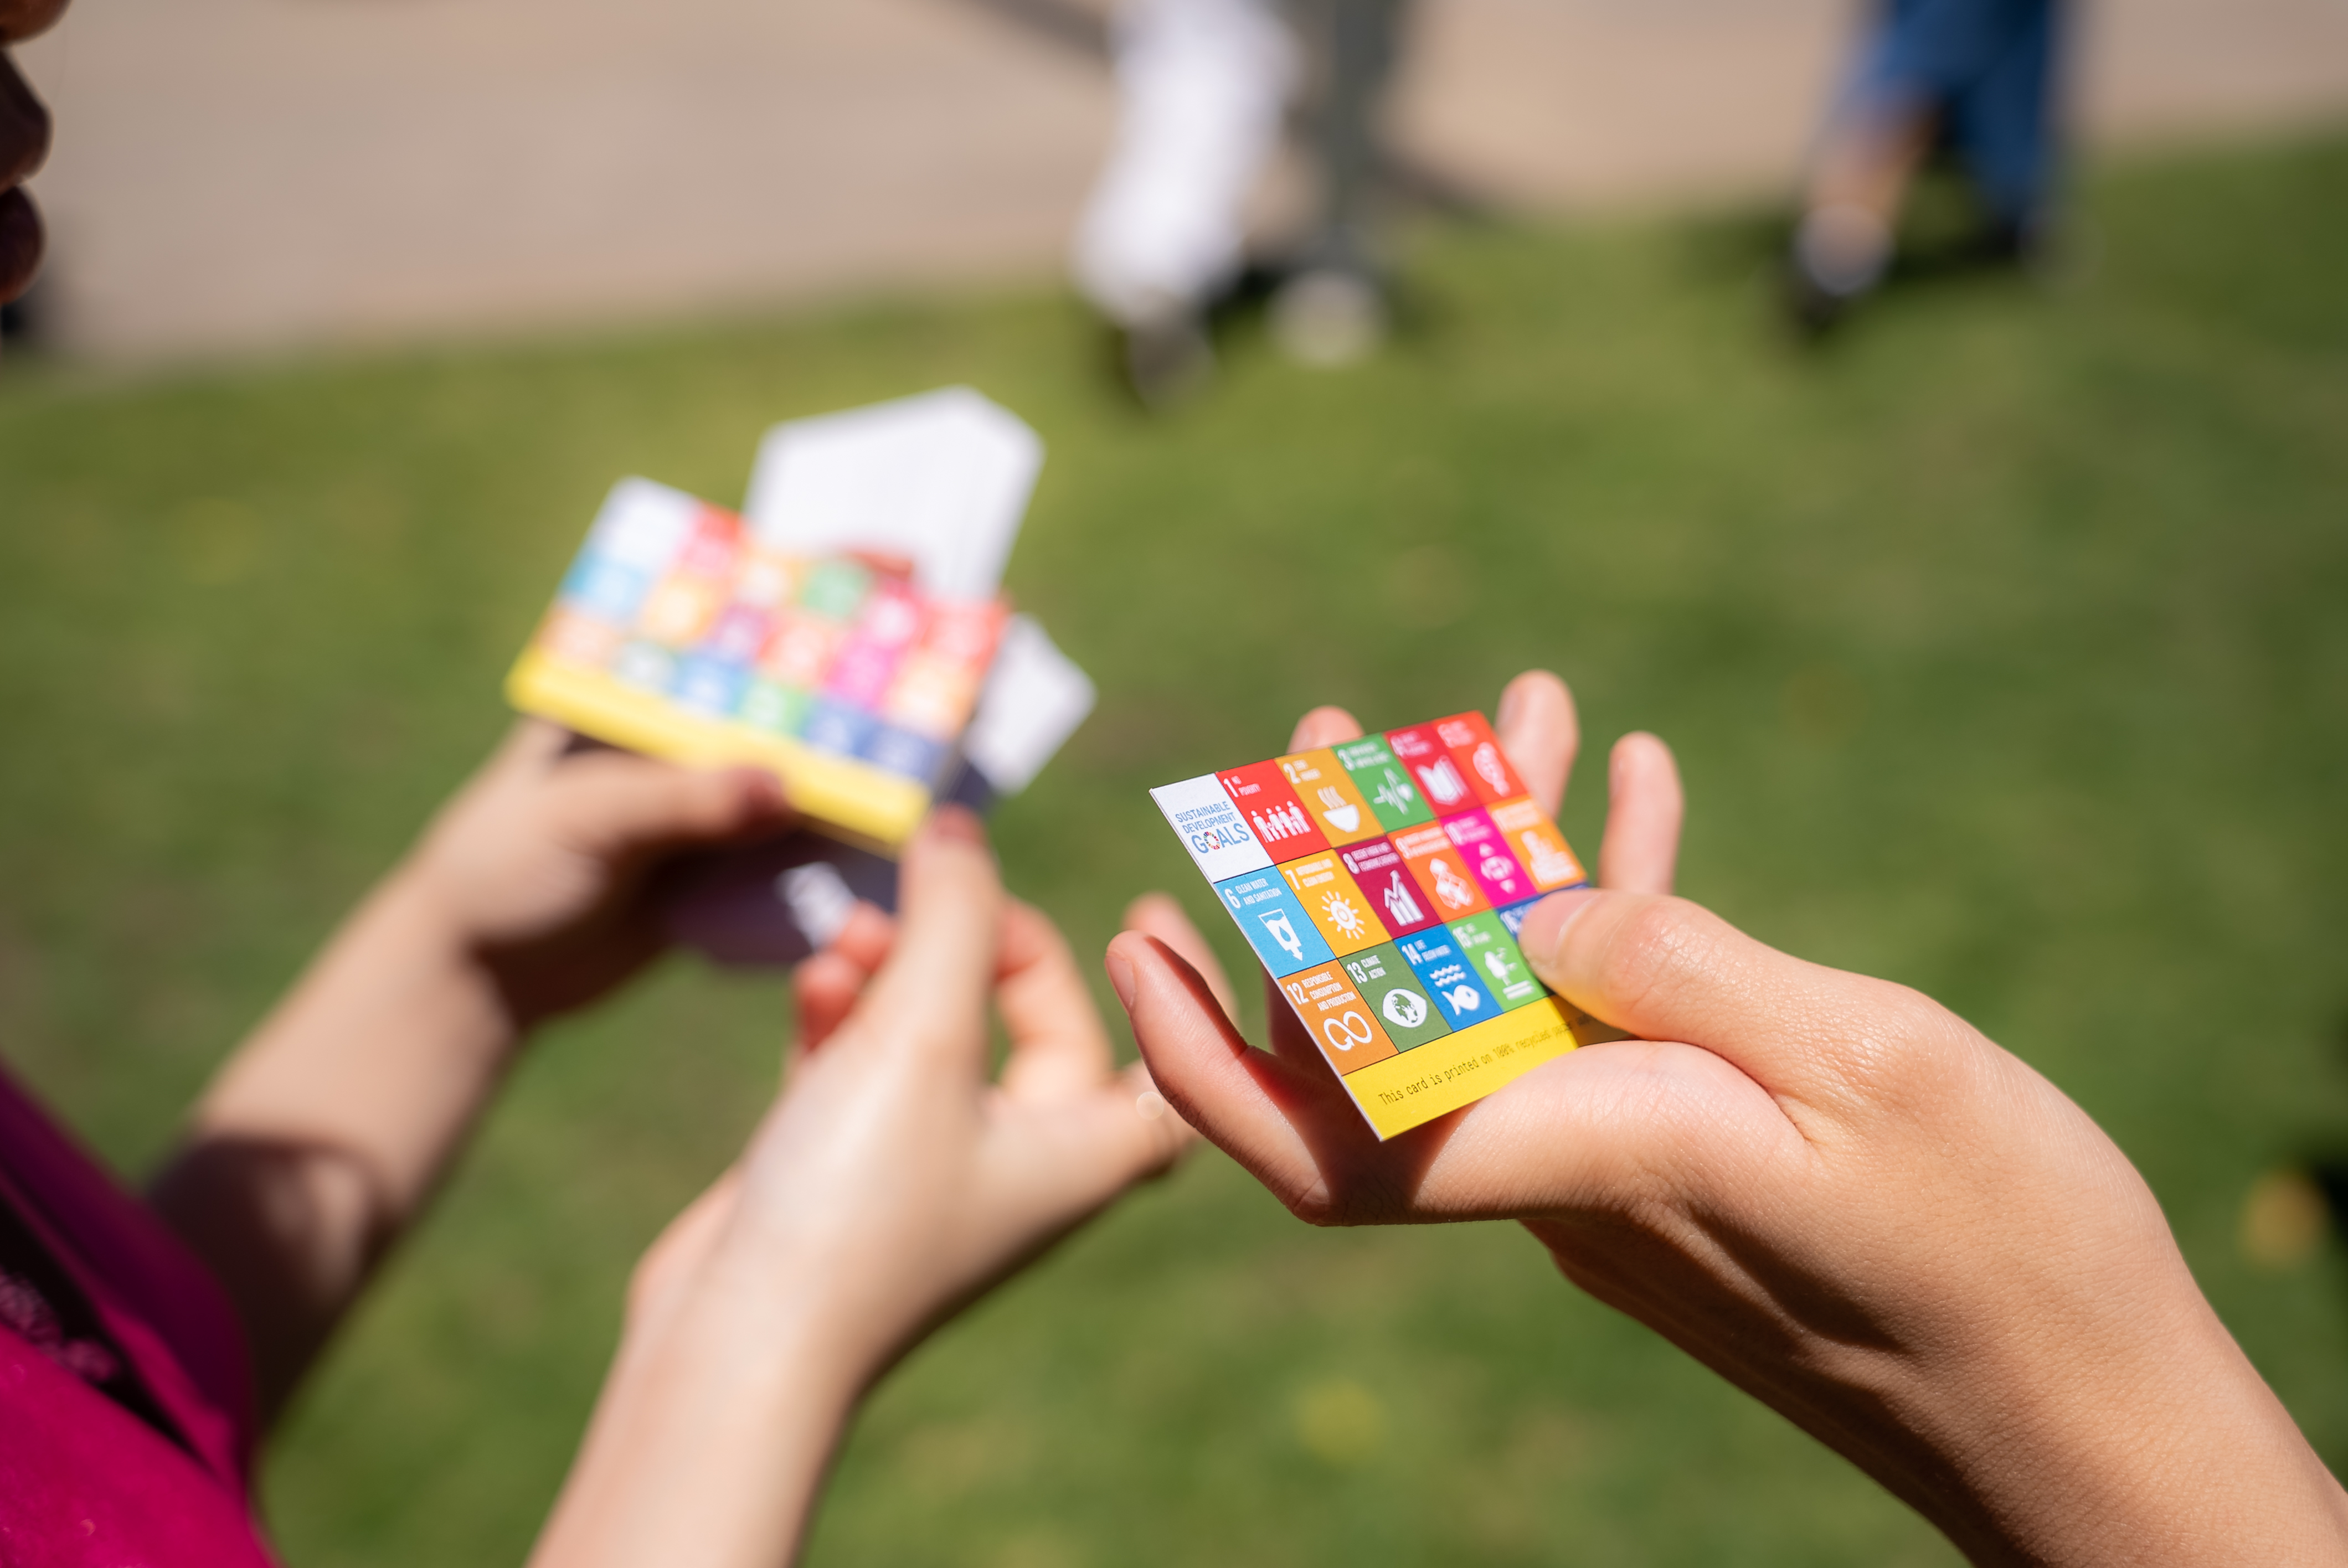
{"x":539,"y":864}
{"x":892,"y":1183}
{"x":24,"y":144}
{"x":890,"y":1169}
{"x":1827,"y":1188}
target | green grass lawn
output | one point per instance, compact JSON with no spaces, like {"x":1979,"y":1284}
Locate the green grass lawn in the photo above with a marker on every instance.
{"x":2004,"y":645}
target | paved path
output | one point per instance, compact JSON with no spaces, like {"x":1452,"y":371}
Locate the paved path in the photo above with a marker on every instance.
{"x":246,"y":174}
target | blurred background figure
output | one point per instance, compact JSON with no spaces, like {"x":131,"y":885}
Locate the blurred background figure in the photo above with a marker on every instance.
{"x":1205,"y":88}
{"x":1978,"y":79}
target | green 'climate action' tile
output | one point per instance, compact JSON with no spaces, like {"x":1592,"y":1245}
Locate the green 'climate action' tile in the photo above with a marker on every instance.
{"x":1386,"y":983}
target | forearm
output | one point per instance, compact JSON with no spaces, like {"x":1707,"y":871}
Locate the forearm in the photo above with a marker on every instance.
{"x":2125,"y":1429}
{"x":711,"y":1436}
{"x":320,"y":1139}
{"x":2169,"y":1449}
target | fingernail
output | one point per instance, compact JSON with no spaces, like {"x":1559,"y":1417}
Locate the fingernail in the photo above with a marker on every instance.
{"x":1149,"y":1105}
{"x":1510,"y":701}
{"x":763,"y":789}
{"x":1544,"y":930}
{"x":958,"y":823}
{"x":1120,"y":977}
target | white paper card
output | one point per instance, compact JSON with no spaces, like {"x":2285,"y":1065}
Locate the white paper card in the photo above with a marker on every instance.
{"x":942,"y":478}
{"x":1033,"y":700}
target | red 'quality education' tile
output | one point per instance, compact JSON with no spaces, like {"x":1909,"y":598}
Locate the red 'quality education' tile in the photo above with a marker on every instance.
{"x":1439,"y":778}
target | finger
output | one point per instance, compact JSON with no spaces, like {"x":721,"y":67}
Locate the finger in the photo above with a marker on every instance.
{"x":1255,"y":1107}
{"x":1073,"y":1157}
{"x":1667,"y":969}
{"x":1059,"y":1048}
{"x":20,"y":243}
{"x":23,"y":19}
{"x":1284,"y":1033}
{"x":613,"y":804}
{"x":1640,"y":852}
{"x":1149,"y":1103}
{"x":24,"y":128}
{"x":827,"y":989}
{"x":1541,"y":734}
{"x":1323,"y":727}
{"x":1156,"y":915}
{"x":828,"y":986}
{"x":531,"y":744}
{"x":931,"y":995}
{"x":865,"y":937}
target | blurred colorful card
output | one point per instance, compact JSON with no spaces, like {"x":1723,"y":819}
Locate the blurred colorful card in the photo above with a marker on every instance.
{"x":1382,"y":883}
{"x":682,"y":633}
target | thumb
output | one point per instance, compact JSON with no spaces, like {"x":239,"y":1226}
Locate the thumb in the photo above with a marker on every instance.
{"x":932,"y":993}
{"x":1666,"y":969}
{"x":612,"y":804}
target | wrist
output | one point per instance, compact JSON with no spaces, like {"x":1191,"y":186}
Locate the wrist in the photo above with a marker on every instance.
{"x":2166,"y":1447}
{"x":712,"y":1435}
{"x":412,"y":912}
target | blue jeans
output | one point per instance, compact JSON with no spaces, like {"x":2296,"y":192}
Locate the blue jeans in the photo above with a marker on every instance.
{"x":1988,"y":70}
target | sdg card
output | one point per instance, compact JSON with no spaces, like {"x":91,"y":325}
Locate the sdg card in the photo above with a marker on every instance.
{"x":1382,"y":883}
{"x":683,"y":634}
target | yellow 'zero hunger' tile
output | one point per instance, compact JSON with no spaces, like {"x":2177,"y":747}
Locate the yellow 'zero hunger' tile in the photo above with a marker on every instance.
{"x":1328,"y":793}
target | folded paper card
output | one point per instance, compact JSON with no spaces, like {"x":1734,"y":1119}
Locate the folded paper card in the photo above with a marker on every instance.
{"x":1381,"y":882}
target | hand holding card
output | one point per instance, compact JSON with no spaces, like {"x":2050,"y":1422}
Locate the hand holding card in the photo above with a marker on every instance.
{"x":1382,"y":881}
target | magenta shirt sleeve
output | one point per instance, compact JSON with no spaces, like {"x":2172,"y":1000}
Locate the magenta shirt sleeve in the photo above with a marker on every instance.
{"x":83,"y":1479}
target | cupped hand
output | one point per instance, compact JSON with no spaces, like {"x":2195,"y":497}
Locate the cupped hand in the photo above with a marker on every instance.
{"x":896,"y":1178}
{"x":1827,"y":1187}
{"x":1283,"y":1114}
{"x":539,"y":864}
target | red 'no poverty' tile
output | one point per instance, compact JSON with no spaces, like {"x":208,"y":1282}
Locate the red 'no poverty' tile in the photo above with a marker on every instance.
{"x":1271,"y":808}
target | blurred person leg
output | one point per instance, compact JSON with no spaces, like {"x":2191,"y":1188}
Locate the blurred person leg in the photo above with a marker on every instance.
{"x":1978,"y":75}
{"x":1203,"y":89}
{"x":2004,"y":126}
{"x":1334,"y":311}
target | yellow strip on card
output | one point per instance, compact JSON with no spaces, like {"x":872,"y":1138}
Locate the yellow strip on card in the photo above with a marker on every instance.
{"x":838,"y":792}
{"x":1401,"y":1091}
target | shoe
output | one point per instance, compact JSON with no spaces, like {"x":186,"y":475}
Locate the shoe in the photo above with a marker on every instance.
{"x":1168,"y":358}
{"x":1327,"y":318}
{"x":1838,"y":256}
